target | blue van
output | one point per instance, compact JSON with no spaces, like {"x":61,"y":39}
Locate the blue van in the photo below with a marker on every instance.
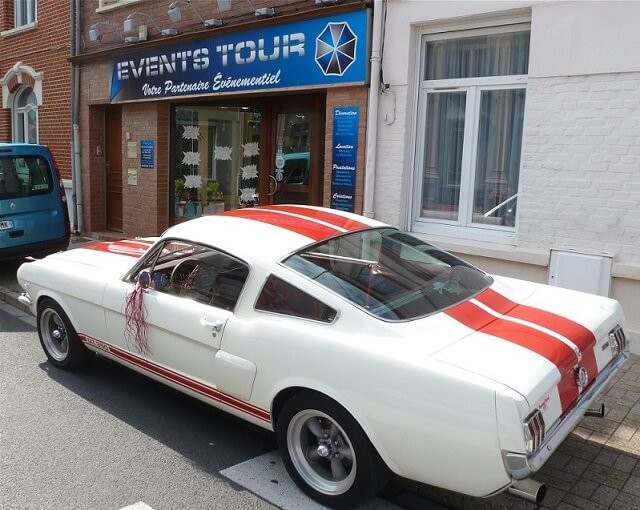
{"x":34,"y":220}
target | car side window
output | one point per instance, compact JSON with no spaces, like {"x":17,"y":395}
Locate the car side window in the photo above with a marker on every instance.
{"x":281,"y":297}
{"x":200,"y":273}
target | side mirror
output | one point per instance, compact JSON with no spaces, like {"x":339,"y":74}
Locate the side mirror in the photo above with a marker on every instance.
{"x":144,"y":279}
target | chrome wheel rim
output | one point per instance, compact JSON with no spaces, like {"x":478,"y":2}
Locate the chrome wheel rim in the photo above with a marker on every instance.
{"x":54,"y":335}
{"x":321,"y":452}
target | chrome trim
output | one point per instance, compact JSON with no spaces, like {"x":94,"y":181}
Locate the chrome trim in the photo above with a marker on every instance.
{"x":528,"y":489}
{"x":25,"y":299}
{"x":522,"y":466}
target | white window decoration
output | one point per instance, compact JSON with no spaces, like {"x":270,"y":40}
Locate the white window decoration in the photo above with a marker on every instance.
{"x":249,"y":171}
{"x":191,"y":132}
{"x":469,"y":137}
{"x":222,"y":153}
{"x":24,"y":12}
{"x":193,"y":181}
{"x":248,"y":195}
{"x":191,"y":158}
{"x":250,"y":149}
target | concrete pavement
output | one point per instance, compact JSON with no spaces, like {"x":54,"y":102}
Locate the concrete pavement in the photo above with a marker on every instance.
{"x":596,"y":468}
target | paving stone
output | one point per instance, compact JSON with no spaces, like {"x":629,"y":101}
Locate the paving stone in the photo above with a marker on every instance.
{"x":605,"y":495}
{"x":626,"y":502}
{"x":584,"y":488}
{"x":607,"y":457}
{"x":583,"y":503}
{"x":576,"y":466}
{"x":632,"y":486}
{"x":626,"y":463}
{"x":581,"y":433}
{"x":606,"y":475}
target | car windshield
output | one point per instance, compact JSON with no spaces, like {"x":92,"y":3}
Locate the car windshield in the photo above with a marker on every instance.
{"x":24,"y":176}
{"x":392,"y":275}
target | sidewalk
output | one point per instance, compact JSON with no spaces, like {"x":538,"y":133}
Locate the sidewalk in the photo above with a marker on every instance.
{"x":596,"y":468}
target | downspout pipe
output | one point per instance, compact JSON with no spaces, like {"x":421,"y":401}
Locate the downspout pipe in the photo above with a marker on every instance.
{"x":76,"y":178}
{"x":372,"y":109}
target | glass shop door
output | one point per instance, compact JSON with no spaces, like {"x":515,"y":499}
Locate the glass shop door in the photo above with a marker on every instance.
{"x":294,"y":161}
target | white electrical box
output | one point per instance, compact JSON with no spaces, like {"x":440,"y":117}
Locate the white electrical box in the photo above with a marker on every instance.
{"x":580,"y":271}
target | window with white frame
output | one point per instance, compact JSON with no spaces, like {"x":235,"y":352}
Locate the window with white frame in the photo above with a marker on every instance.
{"x":25,"y":116}
{"x":469,"y":139}
{"x":24,"y":12}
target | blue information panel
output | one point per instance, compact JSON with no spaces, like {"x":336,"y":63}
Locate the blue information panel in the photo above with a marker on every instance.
{"x":146,"y":154}
{"x":344,"y":157}
{"x":321,"y":51}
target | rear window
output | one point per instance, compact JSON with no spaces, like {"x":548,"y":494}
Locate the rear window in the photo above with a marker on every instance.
{"x":389,"y":273}
{"x":24,"y":176}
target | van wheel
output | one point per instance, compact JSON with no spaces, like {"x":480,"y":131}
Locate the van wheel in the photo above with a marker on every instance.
{"x":58,"y":338}
{"x":327,"y":453}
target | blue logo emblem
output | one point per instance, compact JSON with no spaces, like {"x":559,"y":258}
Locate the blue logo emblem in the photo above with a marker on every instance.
{"x":336,"y":49}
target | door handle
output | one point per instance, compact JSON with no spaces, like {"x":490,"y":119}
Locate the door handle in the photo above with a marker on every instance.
{"x":275,"y":185}
{"x":215,"y":325}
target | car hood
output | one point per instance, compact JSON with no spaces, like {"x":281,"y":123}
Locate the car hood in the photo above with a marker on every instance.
{"x":108,"y":257}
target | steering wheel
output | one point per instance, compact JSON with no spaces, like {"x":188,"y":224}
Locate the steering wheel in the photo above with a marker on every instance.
{"x":186,"y":273}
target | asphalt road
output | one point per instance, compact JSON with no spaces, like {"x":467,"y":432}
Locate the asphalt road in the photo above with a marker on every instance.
{"x":106,"y":438}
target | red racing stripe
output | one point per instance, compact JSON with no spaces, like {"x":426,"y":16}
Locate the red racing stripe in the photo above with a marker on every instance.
{"x":577,"y":333}
{"x":554,"y":350}
{"x":130,"y":248}
{"x":308,"y":228}
{"x":326,"y":216}
{"x":179,"y":379}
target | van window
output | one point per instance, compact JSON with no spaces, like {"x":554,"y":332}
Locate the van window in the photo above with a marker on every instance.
{"x":23,"y":176}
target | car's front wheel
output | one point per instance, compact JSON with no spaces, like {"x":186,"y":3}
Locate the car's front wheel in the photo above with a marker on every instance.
{"x":327,"y":453}
{"x":58,"y":338}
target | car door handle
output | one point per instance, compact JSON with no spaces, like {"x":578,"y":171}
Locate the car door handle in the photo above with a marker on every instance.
{"x":216,"y":325}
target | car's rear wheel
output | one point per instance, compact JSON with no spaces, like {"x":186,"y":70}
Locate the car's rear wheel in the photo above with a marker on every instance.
{"x":327,"y":453}
{"x":58,"y":338}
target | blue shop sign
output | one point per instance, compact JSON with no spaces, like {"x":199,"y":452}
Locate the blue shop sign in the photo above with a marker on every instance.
{"x":344,"y":157}
{"x":147,"y":151}
{"x":332,"y":50}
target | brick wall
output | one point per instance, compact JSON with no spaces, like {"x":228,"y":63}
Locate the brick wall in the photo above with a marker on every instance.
{"x":581,"y":165}
{"x":45,"y":48}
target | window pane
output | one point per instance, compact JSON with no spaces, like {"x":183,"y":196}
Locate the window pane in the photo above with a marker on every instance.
{"x":32,"y":126}
{"x":444,"y":137}
{"x":389,"y":273}
{"x":498,"y":156}
{"x":278,"y":296}
{"x":24,"y":176}
{"x":472,"y":57}
{"x":24,"y":12}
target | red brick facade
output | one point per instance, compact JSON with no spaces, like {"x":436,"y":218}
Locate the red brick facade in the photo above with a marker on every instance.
{"x":45,"y":48}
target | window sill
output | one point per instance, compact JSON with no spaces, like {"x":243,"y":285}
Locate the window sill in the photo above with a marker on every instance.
{"x":118,"y":5}
{"x":488,"y":250}
{"x":19,"y":30}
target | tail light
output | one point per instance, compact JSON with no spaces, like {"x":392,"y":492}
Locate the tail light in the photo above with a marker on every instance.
{"x":63,"y":196}
{"x":617,"y":341}
{"x":534,"y":431}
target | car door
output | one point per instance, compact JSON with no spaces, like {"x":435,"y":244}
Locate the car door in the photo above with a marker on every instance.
{"x":180,"y":316}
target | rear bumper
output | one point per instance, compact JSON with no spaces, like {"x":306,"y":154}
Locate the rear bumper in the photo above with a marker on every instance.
{"x":35,"y":249}
{"x":522,"y":466}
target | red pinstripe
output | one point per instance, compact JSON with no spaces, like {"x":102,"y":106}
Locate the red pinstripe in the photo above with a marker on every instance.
{"x":176,"y":378}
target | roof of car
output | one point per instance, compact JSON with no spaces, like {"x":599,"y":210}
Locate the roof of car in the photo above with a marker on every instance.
{"x":270,"y":232}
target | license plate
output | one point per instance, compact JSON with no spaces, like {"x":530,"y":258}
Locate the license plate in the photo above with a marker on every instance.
{"x":6,"y":224}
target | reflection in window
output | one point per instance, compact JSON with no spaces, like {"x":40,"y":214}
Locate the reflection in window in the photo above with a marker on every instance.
{"x":215,"y":167}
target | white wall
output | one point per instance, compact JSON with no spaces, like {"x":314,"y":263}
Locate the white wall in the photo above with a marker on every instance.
{"x":580,"y":178}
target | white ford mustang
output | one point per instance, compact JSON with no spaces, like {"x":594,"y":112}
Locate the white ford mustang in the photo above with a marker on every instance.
{"x":366,"y":350}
